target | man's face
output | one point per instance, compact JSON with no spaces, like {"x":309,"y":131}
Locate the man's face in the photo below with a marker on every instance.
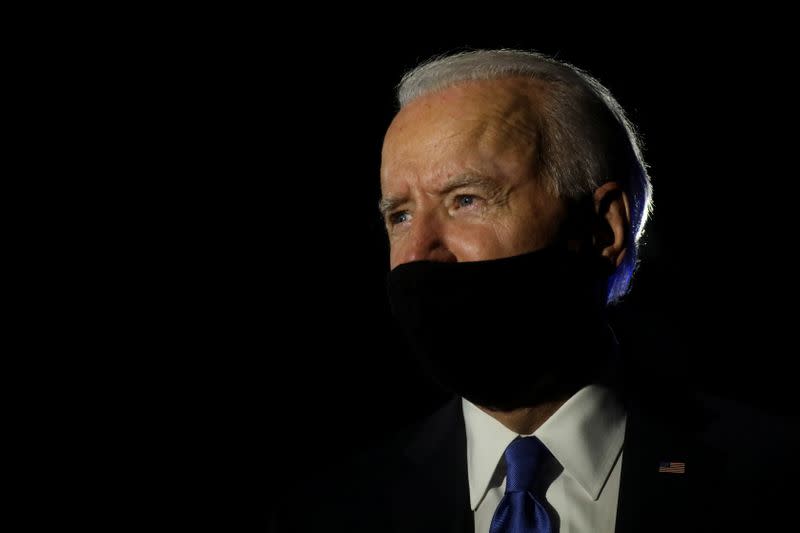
{"x":458,"y":176}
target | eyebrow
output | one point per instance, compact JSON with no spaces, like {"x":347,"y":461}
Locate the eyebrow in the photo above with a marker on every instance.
{"x":388,"y":204}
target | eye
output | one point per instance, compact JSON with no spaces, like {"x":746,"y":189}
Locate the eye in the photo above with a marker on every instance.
{"x":398,"y":218}
{"x":466,"y":200}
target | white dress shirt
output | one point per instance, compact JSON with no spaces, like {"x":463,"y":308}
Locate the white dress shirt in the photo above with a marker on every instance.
{"x":584,"y":435}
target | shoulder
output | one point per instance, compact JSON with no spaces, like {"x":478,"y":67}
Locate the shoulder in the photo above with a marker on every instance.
{"x":734,"y":459}
{"x":744,"y":433}
{"x":741,"y":438}
{"x":361,"y":492}
{"x":742,"y":427}
{"x":748,"y":452}
{"x":347,"y":495}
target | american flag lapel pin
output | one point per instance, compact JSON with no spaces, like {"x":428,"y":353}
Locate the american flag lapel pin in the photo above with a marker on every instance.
{"x":672,"y":467}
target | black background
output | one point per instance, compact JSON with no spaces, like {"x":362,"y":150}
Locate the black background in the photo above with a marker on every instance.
{"x":283,"y":335}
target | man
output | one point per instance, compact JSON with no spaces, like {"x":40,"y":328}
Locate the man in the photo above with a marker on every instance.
{"x":514,"y":195}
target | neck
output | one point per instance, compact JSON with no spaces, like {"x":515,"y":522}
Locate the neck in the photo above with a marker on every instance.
{"x":525,"y":420}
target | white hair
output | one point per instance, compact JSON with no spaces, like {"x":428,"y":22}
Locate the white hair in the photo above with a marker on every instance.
{"x":585,"y":139}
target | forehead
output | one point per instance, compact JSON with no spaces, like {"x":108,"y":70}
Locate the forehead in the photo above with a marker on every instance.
{"x":464,"y":124}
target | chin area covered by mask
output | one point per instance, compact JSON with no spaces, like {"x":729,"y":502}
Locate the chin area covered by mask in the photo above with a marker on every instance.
{"x":507,"y":333}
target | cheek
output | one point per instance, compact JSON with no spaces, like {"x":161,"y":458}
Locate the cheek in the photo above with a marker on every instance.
{"x":536,"y":223}
{"x":395,"y":251}
{"x":478,"y":243}
{"x":516,"y":235}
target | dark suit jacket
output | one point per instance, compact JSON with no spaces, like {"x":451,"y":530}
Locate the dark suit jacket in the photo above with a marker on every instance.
{"x":739,"y":475}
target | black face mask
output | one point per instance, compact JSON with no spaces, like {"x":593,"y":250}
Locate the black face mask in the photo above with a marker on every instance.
{"x":510,"y":332}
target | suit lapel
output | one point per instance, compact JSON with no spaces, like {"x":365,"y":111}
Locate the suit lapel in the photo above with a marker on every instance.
{"x":432,"y":492}
{"x":650,"y":499}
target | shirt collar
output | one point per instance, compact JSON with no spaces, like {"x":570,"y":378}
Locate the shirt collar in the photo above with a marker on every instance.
{"x":585,"y":436}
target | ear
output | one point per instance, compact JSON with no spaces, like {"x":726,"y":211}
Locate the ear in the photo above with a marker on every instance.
{"x":612,"y":221}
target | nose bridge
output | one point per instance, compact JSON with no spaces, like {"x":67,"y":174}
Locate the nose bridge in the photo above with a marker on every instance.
{"x":427,"y":239}
{"x":426,"y":228}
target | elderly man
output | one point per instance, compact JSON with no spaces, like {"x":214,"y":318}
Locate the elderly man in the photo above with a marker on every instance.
{"x":514,"y":195}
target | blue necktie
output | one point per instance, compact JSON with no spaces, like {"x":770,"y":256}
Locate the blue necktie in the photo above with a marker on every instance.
{"x":519,"y":510}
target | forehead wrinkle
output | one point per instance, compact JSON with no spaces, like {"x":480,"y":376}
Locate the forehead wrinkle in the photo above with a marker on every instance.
{"x":500,"y":117}
{"x":511,"y":125}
